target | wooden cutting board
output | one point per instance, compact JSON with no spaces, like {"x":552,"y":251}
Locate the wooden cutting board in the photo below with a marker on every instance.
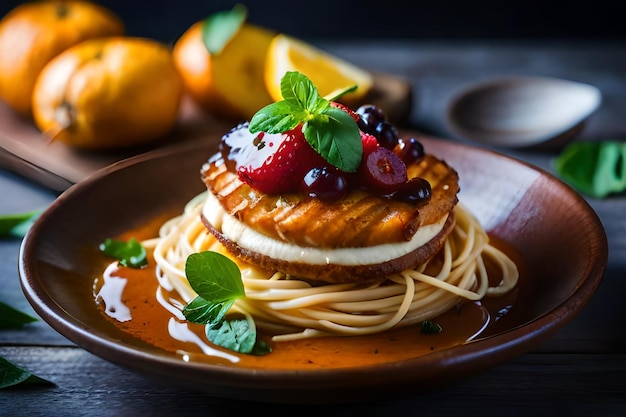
{"x":24,"y":150}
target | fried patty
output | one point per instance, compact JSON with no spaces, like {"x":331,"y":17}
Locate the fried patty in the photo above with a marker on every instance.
{"x":360,"y":220}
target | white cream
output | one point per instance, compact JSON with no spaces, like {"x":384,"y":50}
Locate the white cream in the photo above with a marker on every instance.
{"x":250,"y":239}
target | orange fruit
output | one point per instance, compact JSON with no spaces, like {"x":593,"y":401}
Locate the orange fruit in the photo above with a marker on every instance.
{"x":229,"y":83}
{"x":33,"y":33}
{"x":329,"y":73}
{"x":108,"y":93}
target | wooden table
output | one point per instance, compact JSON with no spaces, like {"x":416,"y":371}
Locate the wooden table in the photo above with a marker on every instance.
{"x":579,"y":371}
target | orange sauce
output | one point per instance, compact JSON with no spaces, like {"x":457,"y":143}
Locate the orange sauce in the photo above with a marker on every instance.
{"x":151,"y":322}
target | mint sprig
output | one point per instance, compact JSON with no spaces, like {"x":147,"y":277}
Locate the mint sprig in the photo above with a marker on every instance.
{"x":332,"y":132}
{"x":217,"y":281}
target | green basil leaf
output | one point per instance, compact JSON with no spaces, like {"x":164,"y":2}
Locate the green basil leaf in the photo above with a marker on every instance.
{"x":336,"y":138}
{"x":202,"y":311}
{"x":11,"y":374}
{"x":11,"y":318}
{"x":16,"y":225}
{"x":298,"y":89}
{"x":214,"y":277}
{"x":238,"y":335}
{"x":130,"y":253}
{"x":219,"y":28}
{"x":278,"y":117}
{"x":596,"y":169}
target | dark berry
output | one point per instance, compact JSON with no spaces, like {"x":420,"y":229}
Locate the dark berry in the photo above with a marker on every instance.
{"x":410,"y":150}
{"x":416,"y":191}
{"x":387,"y":135}
{"x":383,"y":171}
{"x":371,"y":116}
{"x":325,"y":183}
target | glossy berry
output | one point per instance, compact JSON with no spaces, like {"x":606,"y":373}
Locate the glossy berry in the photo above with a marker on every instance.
{"x":383,"y":171}
{"x":416,"y":191}
{"x":286,"y":163}
{"x":371,"y":116}
{"x":374,"y":122}
{"x":409,"y":150}
{"x":277,"y":163}
{"x":325,"y":183}
{"x":387,"y":135}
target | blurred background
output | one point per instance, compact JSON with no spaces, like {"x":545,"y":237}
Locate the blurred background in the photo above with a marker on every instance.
{"x":166,"y":20}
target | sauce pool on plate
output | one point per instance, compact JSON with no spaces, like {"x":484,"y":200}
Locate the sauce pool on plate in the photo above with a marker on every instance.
{"x":134,"y":301}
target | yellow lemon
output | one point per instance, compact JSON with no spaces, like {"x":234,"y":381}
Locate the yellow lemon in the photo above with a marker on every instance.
{"x":108,"y":93}
{"x":328,"y":72}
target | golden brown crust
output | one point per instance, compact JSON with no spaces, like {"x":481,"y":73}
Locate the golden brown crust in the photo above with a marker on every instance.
{"x":331,"y":273}
{"x":359,"y":220}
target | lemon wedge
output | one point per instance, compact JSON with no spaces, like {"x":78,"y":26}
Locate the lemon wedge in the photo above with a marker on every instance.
{"x":329,"y":73}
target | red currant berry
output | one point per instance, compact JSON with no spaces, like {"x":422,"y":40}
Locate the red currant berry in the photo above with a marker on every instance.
{"x":383,"y":171}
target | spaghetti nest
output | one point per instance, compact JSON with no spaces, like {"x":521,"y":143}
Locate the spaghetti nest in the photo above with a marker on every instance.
{"x":291,"y":308}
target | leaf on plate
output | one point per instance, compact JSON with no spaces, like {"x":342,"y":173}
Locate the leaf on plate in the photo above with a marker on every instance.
{"x":130,"y":253}
{"x":238,"y":335}
{"x":11,"y":375}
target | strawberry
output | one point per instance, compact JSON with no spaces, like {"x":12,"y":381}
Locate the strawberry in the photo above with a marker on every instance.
{"x":280,"y":162}
{"x":370,"y":144}
{"x":347,"y":109}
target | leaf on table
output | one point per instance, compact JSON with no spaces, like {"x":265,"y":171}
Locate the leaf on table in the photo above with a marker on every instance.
{"x":17,"y":224}
{"x":596,"y":169}
{"x":11,"y":375}
{"x":11,"y":318}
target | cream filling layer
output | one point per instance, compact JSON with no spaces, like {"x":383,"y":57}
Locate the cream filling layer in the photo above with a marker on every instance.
{"x":248,"y":238}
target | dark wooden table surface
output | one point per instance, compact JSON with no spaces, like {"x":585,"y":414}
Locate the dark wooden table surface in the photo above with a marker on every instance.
{"x":581,"y":370}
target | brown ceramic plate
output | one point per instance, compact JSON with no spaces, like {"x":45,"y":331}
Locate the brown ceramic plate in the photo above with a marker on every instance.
{"x":559,"y":237}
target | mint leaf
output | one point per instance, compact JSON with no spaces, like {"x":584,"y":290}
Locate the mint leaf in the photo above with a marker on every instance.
{"x":278,"y":117}
{"x":238,"y":335}
{"x":16,"y":225}
{"x":298,"y":89}
{"x":11,"y":374}
{"x":202,"y":311}
{"x":219,"y":28}
{"x":130,"y":253}
{"x":330,"y":131}
{"x":322,"y":136}
{"x":596,"y":169}
{"x":214,"y":277}
{"x":11,"y":318}
{"x":217,"y":281}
